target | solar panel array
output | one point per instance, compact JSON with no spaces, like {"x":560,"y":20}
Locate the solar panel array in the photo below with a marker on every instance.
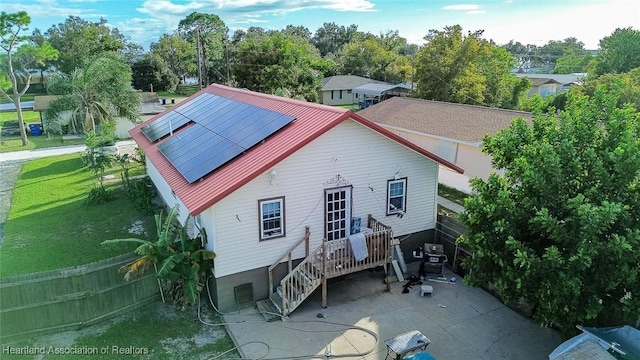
{"x":222,"y":129}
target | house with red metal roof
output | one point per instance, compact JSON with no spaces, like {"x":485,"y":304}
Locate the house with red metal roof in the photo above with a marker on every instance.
{"x":289,"y":193}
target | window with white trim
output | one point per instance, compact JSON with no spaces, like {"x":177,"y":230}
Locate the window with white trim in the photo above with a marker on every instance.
{"x":397,"y":196}
{"x":271,"y":218}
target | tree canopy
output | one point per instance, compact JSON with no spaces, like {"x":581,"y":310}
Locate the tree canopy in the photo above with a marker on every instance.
{"x":78,"y":40}
{"x":619,"y":52}
{"x":279,"y":63}
{"x":466,"y":69}
{"x":207,"y":33}
{"x":559,"y":231}
{"x":20,"y":54}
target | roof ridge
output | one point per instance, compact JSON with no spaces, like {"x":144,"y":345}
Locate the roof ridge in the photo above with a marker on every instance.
{"x":461,"y":105}
{"x":306,"y":104}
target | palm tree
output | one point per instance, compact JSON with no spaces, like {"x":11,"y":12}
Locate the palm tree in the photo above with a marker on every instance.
{"x":95,"y":94}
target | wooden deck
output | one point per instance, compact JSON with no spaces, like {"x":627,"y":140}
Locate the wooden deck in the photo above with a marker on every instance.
{"x":331,"y":259}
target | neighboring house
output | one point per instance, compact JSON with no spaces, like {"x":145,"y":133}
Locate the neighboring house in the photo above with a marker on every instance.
{"x":452,"y":131}
{"x":338,"y":90}
{"x":563,"y":82}
{"x":149,"y":106}
{"x":255,"y":171}
{"x":543,"y":87}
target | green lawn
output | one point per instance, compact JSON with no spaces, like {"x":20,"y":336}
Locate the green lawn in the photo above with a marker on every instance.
{"x":51,"y":226}
{"x":29,"y":116}
{"x":452,"y":194}
{"x":25,"y":97}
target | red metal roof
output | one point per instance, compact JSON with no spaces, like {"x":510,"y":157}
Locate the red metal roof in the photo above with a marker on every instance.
{"x":312,"y":120}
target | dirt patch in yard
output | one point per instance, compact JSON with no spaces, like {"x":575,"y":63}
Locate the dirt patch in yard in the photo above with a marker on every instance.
{"x":158,"y":331}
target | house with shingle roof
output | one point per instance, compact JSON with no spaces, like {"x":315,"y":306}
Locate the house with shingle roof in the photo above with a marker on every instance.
{"x":550,"y":84}
{"x":338,"y":89}
{"x":452,"y":131}
{"x":280,"y":186}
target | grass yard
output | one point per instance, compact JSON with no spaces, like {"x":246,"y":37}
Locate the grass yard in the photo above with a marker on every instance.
{"x":29,"y":116}
{"x":452,"y":194}
{"x":163,"y":330}
{"x":25,"y":97}
{"x":51,"y":226}
{"x":14,"y":143}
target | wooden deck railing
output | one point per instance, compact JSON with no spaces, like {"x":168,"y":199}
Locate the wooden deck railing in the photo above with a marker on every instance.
{"x":339,"y":259}
{"x":331,"y":259}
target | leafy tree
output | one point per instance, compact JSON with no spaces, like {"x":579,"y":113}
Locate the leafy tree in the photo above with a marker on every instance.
{"x":178,"y":54}
{"x":554,"y":49}
{"x":466,"y":69}
{"x":299,"y":31}
{"x":79,"y":40}
{"x":378,"y":58}
{"x":19,"y":55}
{"x":573,"y":61}
{"x":211,"y":33}
{"x":151,"y":72}
{"x":619,"y":52}
{"x":276,"y":63}
{"x":331,"y":38}
{"x":97,"y":93}
{"x":559,"y":230}
{"x":181,"y":262}
{"x":627,"y":85}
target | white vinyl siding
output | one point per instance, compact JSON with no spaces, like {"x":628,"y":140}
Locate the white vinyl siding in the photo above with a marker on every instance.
{"x":364,"y":160}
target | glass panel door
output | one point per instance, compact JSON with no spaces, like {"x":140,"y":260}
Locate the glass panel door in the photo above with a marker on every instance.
{"x":337,"y":213}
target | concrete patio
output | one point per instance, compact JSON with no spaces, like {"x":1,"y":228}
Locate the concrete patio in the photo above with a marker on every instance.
{"x":461,"y":322}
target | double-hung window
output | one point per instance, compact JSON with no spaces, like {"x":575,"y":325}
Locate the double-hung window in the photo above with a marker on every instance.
{"x":271,"y":218}
{"x":397,"y":196}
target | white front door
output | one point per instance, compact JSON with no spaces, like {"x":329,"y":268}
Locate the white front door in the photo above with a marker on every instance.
{"x":337,"y":205}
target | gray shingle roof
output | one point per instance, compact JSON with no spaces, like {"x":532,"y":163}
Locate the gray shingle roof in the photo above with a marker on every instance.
{"x":460,"y":122}
{"x":346,"y":82}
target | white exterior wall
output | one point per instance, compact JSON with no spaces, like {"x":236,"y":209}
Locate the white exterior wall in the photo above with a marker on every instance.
{"x":470,"y":157}
{"x":166,"y":193}
{"x":362,"y":157}
{"x":347,"y":99}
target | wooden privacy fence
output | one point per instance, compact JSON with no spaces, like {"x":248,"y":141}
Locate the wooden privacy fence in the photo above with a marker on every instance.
{"x":71,"y":298}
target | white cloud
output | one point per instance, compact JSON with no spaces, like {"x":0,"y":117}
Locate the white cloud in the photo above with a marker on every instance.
{"x":47,"y":9}
{"x":462,"y":7}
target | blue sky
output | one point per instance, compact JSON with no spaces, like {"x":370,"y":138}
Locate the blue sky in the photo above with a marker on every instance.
{"x":528,"y":21}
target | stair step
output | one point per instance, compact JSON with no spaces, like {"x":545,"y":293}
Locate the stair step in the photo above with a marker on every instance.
{"x":268,"y":310}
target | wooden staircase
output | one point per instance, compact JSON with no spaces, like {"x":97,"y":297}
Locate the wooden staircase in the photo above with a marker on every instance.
{"x":329,"y":260}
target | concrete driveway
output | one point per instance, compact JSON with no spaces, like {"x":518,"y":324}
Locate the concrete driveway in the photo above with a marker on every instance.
{"x":462,"y":323}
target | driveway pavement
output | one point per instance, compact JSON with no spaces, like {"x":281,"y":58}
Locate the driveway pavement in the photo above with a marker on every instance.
{"x":462,"y":323}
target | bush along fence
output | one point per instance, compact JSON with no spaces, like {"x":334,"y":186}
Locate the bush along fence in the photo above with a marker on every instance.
{"x":71,"y":298}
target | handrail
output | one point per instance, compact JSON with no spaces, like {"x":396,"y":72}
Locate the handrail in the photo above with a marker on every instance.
{"x":293,"y":247}
{"x":307,"y":234}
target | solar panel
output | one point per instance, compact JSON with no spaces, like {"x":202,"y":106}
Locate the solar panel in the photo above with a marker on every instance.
{"x":180,"y":115}
{"x":222,"y":129}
